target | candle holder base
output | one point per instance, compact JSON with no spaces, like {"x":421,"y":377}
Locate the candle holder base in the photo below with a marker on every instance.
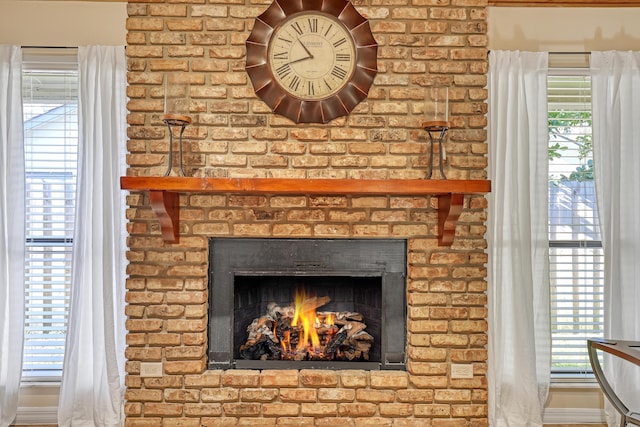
{"x":436,"y":131}
{"x":175,"y":121}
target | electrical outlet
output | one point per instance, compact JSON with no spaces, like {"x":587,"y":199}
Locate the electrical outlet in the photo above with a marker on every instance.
{"x":150,"y":369}
{"x":461,"y":371}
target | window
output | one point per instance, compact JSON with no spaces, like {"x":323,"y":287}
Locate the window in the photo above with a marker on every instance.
{"x":51,"y":139}
{"x":575,"y":252}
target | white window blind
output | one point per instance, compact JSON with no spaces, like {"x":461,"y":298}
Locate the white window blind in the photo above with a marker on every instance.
{"x":51,"y":146}
{"x":575,"y":253}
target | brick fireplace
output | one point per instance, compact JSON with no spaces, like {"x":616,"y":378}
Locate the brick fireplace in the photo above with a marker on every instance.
{"x":421,"y":44}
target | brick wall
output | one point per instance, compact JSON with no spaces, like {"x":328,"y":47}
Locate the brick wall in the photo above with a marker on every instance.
{"x":421,"y":44}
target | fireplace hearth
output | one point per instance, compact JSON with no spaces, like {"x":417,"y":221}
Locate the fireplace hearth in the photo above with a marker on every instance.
{"x":364,"y":277}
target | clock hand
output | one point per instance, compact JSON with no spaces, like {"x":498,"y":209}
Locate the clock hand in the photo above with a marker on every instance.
{"x":310,"y":55}
{"x":300,"y":59}
{"x":305,"y":49}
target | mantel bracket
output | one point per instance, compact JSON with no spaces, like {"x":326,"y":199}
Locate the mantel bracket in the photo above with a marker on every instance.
{"x":449,"y":210}
{"x":165,"y":205}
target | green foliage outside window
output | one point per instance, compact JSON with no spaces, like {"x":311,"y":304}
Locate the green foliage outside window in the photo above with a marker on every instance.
{"x":562,"y":125}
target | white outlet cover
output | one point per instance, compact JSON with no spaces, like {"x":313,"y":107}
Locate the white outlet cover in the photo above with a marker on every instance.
{"x":461,"y":371}
{"x":150,"y":369}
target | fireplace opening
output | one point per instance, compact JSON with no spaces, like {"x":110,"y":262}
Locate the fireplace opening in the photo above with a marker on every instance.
{"x":317,"y":318}
{"x":353,"y":291}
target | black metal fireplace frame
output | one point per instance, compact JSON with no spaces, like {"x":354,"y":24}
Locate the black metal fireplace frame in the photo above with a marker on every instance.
{"x":231,"y":257}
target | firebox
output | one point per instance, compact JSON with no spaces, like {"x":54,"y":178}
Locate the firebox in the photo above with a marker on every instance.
{"x":307,"y":303}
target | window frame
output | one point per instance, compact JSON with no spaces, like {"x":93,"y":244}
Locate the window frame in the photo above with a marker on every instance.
{"x":48,"y":60}
{"x":576,"y":68}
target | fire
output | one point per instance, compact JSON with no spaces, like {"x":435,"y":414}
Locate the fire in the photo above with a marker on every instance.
{"x":298,"y":332}
{"x":329,"y":320}
{"x":285,"y":342}
{"x":305,"y":317}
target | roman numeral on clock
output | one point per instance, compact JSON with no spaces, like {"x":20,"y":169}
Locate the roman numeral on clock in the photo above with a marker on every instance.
{"x":313,"y":25}
{"x":340,"y":42}
{"x":339,"y":72}
{"x":343,"y":57}
{"x":283,"y":70}
{"x":294,"y":84}
{"x":296,"y":26}
{"x":281,"y":55}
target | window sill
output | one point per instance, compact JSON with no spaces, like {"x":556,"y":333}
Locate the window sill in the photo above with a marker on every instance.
{"x":575,"y":384}
{"x":578,"y":381}
{"x":40,"y":383}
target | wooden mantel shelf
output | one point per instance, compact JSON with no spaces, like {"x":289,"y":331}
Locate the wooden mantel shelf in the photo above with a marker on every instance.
{"x":164,"y":194}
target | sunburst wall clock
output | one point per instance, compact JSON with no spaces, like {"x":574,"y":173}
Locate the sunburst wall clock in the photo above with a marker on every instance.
{"x":311,"y":60}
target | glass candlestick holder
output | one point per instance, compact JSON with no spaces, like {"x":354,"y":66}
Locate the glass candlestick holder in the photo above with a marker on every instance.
{"x":436,"y":124}
{"x":177,"y":101}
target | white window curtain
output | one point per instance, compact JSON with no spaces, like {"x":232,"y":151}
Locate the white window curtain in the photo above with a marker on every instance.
{"x":519,"y":331}
{"x":616,"y":152}
{"x":92,"y":385}
{"x":12,"y":244}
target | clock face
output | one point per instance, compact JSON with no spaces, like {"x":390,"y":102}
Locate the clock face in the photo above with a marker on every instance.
{"x":311,"y":60}
{"x":312,"y":55}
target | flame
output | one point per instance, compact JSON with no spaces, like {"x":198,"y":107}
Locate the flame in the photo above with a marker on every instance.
{"x":304,"y":334}
{"x":329,"y":320}
{"x":306,"y":319}
{"x":285,"y":343}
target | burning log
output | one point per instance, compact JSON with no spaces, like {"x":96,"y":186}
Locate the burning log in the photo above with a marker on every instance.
{"x":335,"y":343}
{"x":310,"y":304}
{"x":297,"y":332}
{"x":360,"y":343}
{"x":261,"y":342}
{"x":327,"y":329}
{"x":351,"y":339}
{"x":342,"y":317}
{"x":262,"y":349}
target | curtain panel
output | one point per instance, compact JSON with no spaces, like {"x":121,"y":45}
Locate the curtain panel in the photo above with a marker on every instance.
{"x":12,"y":235}
{"x":92,"y":387}
{"x":519,"y":321}
{"x":616,"y":157}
